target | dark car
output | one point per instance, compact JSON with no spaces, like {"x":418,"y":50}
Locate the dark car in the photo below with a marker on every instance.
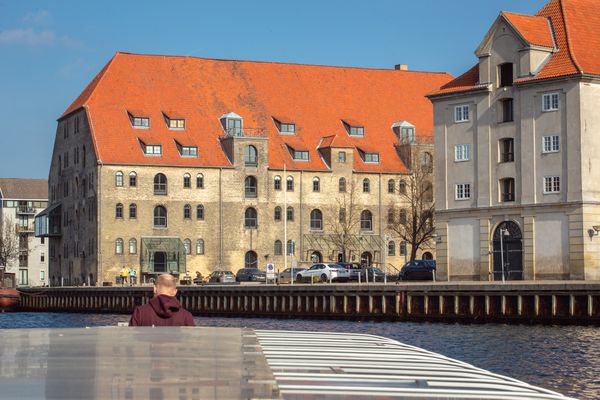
{"x":372,"y":274}
{"x":418,"y":270}
{"x":354,"y":269}
{"x":250,"y":275}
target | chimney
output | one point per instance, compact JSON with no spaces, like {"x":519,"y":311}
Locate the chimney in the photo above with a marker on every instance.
{"x":401,"y":67}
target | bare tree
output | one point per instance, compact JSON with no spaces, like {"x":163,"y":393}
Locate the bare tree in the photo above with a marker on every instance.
{"x":9,"y":244}
{"x":343,"y":217}
{"x":414,"y":224}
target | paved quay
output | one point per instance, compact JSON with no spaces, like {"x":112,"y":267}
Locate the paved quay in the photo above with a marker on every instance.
{"x":557,"y":302}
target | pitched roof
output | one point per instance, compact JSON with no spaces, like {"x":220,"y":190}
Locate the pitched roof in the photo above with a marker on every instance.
{"x":315,"y":98}
{"x":576,"y":29}
{"x":26,"y":189}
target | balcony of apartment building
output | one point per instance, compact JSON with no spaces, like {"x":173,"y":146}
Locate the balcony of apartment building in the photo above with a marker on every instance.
{"x":24,"y":209}
{"x":25,"y":227}
{"x":48,"y":222}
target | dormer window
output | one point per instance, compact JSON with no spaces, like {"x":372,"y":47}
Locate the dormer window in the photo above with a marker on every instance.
{"x":505,"y":74}
{"x":285,"y":127}
{"x":232,"y":123}
{"x":152,"y":149}
{"x":405,"y":131}
{"x":139,"y":121}
{"x":178,"y":123}
{"x":371,"y":157}
{"x":300,"y":155}
{"x":354,"y":129}
{"x":189,"y":151}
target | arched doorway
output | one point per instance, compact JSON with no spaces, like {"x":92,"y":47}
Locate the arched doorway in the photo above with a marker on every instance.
{"x":366,"y":259}
{"x":508,"y":247}
{"x":160,"y":261}
{"x":251,"y":260}
{"x":427,"y":256}
{"x":316,"y":257}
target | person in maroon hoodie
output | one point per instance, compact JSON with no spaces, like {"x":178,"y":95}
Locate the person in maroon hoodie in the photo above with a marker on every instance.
{"x":163,"y":309}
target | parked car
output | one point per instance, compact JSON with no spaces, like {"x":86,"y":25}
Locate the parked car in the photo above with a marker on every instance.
{"x":285,"y":276}
{"x":372,"y":274}
{"x":354,"y":269}
{"x":418,"y":270}
{"x":250,"y":275}
{"x":222,"y":277}
{"x":324,"y":272}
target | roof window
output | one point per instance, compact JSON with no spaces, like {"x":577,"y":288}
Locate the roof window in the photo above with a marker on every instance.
{"x":153,"y":149}
{"x":139,"y":121}
{"x":371,"y":158}
{"x":405,"y":131}
{"x":354,"y":129}
{"x":300,"y":155}
{"x":285,"y":127}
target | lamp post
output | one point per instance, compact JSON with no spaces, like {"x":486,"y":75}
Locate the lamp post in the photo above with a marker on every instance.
{"x":503,"y":232}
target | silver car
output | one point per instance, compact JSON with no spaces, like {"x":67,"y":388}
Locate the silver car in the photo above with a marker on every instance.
{"x":222,"y":277}
{"x":285,"y":276}
{"x":324,"y":273}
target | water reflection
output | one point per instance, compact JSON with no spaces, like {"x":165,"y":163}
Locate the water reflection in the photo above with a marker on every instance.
{"x":561,"y":358}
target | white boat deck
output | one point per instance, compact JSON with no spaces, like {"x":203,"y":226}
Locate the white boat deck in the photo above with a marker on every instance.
{"x":230,"y":363}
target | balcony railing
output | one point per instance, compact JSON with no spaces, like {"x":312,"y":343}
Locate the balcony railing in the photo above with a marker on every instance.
{"x":25,"y":210}
{"x":246,"y":132}
{"x":25,"y":228}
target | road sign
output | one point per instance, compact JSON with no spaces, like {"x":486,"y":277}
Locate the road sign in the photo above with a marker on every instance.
{"x":270,"y":271}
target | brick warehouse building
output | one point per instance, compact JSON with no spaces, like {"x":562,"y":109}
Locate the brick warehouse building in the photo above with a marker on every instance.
{"x":184,"y":164}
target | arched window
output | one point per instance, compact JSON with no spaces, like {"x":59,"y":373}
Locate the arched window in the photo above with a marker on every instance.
{"x":132,"y":246}
{"x":342,"y":185}
{"x":250,"y":260}
{"x":427,"y":191}
{"x":160,"y":217}
{"x":391,"y":216}
{"x":391,"y":186}
{"x":427,"y":162}
{"x":187,"y":181}
{"x":160,"y":184}
{"x":119,"y":211}
{"x":132,"y":179}
{"x":277,"y":214}
{"x":291,"y":247}
{"x":402,"y":249}
{"x":83,"y":158}
{"x":200,"y":246}
{"x":250,"y":156}
{"x":391,"y":248}
{"x":187,"y":211}
{"x":250,"y":187}
{"x":402,"y":217}
{"x":250,"y":218}
{"x":290,"y":213}
{"x":366,"y":185}
{"x":316,"y":184}
{"x":200,"y":212}
{"x":290,"y":184}
{"x":277,"y":183}
{"x":119,"y":179}
{"x":187,"y":246}
{"x":366,"y":221}
{"x":278,"y":250}
{"x":132,"y":211}
{"x":119,"y":246}
{"x":316,"y":219}
{"x":199,"y":181}
{"x":402,"y":187}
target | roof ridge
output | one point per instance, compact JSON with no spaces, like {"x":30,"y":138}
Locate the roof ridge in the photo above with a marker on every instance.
{"x":282,"y":63}
{"x":567,"y":36}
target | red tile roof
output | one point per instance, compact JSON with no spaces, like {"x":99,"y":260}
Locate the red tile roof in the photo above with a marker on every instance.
{"x":535,"y":30}
{"x":576,"y":28}
{"x":315,"y":98}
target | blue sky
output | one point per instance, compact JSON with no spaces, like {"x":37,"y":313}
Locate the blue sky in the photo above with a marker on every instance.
{"x":49,"y":51}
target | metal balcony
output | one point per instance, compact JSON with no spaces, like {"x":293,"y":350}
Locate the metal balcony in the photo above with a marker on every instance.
{"x":25,"y":210}
{"x":246,"y":132}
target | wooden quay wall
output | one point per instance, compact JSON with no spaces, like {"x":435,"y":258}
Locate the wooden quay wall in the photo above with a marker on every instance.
{"x":565,"y":302}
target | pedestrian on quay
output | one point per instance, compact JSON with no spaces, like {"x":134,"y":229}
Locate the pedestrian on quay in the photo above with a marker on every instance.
{"x":163,"y":309}
{"x":123,"y":275}
{"x":132,"y":277}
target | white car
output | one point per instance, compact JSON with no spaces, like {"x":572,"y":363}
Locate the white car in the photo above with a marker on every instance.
{"x":324,"y":273}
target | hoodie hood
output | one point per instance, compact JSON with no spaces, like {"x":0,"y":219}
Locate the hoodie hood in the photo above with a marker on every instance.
{"x":164,"y":306}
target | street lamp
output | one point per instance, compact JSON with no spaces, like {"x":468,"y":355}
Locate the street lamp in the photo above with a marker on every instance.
{"x":503,"y":232}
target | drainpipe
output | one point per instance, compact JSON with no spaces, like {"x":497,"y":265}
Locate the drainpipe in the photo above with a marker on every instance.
{"x":300,"y":220}
{"x":99,"y":212}
{"x":220,"y":217}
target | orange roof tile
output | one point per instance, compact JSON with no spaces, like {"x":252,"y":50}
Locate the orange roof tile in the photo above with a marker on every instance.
{"x":534,"y":29}
{"x":576,"y":28}
{"x":315,"y":98}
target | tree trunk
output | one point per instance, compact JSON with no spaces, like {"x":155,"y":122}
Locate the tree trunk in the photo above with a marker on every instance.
{"x":413,"y":252}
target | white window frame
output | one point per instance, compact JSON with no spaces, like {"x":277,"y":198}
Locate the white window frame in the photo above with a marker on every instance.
{"x":464,"y":189}
{"x":554,"y":181}
{"x":460,"y":115}
{"x":153,"y":147}
{"x":553,"y":101}
{"x":551,"y":144}
{"x":371,"y":158}
{"x":462,"y":152}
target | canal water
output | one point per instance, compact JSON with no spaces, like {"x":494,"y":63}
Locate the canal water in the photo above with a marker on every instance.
{"x":561,"y":358}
